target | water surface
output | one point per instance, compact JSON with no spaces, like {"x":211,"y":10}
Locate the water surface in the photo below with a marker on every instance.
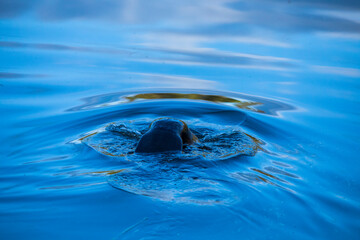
{"x":271,"y":89}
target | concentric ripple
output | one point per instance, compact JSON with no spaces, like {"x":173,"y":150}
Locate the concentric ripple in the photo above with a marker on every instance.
{"x":237,"y":100}
{"x":215,"y":142}
{"x":207,"y":172}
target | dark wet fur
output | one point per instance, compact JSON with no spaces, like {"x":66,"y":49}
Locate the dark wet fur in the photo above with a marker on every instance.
{"x":165,"y":135}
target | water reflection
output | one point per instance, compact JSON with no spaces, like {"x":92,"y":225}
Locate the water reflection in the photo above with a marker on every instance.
{"x":290,"y":16}
{"x":346,"y":72}
{"x":301,"y":52}
{"x":126,"y":11}
{"x":191,"y":38}
{"x":173,"y":55}
{"x":10,"y":75}
{"x":283,"y":15}
{"x":64,"y":187}
{"x":61,"y":47}
{"x":265,"y":177}
{"x":246,"y":102}
{"x":211,"y":57}
{"x":249,"y":105}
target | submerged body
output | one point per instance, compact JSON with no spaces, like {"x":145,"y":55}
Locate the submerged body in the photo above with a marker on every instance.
{"x":165,"y":135}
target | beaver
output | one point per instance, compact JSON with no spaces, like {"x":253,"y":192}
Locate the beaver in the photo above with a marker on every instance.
{"x":165,"y":135}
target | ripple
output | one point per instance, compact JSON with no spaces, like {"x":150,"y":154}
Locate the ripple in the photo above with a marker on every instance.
{"x":207,"y":172}
{"x":72,"y":186}
{"x":237,"y":100}
{"x":215,"y":141}
{"x":179,"y":177}
{"x":229,"y":127}
{"x":171,"y":184}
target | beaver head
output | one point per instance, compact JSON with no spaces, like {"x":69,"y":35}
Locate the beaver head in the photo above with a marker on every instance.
{"x":165,"y":135}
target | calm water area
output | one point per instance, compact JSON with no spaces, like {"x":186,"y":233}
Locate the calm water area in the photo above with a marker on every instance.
{"x":271,"y":89}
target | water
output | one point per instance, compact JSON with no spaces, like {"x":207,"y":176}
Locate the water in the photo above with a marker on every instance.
{"x":271,"y":89}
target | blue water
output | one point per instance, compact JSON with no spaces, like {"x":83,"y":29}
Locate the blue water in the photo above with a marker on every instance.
{"x":270,"y":88}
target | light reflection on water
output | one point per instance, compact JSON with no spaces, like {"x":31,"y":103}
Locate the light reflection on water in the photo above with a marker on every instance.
{"x":285,"y":73}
